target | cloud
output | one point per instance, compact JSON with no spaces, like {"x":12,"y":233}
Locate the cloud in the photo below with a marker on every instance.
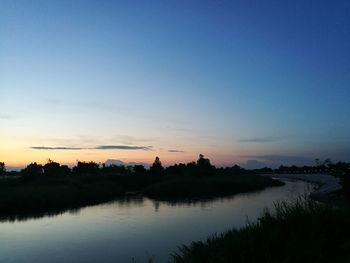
{"x":100,"y":147}
{"x":261,"y":139}
{"x":122,"y":147}
{"x":55,"y":148}
{"x":175,"y":151}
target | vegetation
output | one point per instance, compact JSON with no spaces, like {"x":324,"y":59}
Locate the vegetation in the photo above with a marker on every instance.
{"x":184,"y":187}
{"x":323,"y":167}
{"x":303,"y":231}
{"x":53,"y":187}
{"x":2,"y":168}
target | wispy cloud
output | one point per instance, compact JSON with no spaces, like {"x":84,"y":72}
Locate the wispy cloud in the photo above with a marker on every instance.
{"x":122,"y":147}
{"x":55,"y":148}
{"x":261,"y":139}
{"x":175,"y":151}
{"x":100,"y":147}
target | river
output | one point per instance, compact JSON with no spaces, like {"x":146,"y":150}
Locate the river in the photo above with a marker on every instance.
{"x":133,"y":230}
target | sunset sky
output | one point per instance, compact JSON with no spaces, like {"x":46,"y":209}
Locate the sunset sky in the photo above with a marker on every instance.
{"x":266,"y":82}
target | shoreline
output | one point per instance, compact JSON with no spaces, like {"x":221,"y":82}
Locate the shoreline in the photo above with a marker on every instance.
{"x":59,"y":194}
{"x":327,"y":184}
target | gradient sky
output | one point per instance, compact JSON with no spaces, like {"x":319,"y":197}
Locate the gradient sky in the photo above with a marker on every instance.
{"x":235,"y":80}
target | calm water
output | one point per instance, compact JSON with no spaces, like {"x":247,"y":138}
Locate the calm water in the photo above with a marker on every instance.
{"x":121,"y":230}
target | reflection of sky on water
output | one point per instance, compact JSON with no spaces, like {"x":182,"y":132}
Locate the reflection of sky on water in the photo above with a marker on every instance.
{"x":120,"y":230}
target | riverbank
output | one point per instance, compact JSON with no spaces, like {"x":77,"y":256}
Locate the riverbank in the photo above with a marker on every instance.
{"x":57,"y":194}
{"x":329,"y":187}
{"x":139,"y":228}
{"x":327,"y":183}
{"x":303,"y":231}
{"x":187,"y":187}
{"x":311,"y":231}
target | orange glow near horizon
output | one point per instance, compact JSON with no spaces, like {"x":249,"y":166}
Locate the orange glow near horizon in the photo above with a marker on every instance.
{"x":18,"y":157}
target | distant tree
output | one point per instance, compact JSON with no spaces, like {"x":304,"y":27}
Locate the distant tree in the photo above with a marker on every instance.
{"x":236,"y":169}
{"x":114,"y":169}
{"x":317,"y":161}
{"x":88,"y":168}
{"x":2,"y":168}
{"x":293,"y":169}
{"x":203,"y":162}
{"x":65,"y":170}
{"x":156,"y":168}
{"x":282,"y":169}
{"x":204,"y":165}
{"x":341,"y":169}
{"x":32,"y":171}
{"x":52,"y":168}
{"x":139,"y":170}
{"x":192,"y":168}
{"x":327,"y":165}
{"x":327,"y":161}
{"x":176,"y":169}
{"x":266,"y":170}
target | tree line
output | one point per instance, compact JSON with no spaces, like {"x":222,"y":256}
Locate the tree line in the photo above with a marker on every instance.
{"x":200,"y":167}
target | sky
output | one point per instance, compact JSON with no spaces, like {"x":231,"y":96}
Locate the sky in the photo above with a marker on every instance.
{"x":246,"y":82}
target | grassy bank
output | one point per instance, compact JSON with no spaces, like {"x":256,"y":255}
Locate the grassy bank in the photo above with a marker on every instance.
{"x":300,"y":232}
{"x":56,"y":194}
{"x":208,"y":186}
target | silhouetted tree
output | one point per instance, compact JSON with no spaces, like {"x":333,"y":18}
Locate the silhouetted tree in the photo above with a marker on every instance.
{"x":114,"y":169}
{"x":204,"y":165}
{"x":32,"y":171}
{"x":65,"y":170}
{"x":235,"y":170}
{"x":192,"y":168}
{"x":327,"y":162}
{"x":88,"y":168}
{"x":176,"y":169}
{"x":139,"y":170}
{"x":156,"y":168}
{"x":317,"y":161}
{"x":52,"y":168}
{"x":265,"y":170}
{"x":2,"y":168}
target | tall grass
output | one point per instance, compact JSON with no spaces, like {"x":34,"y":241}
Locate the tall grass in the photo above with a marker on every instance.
{"x":302,"y":231}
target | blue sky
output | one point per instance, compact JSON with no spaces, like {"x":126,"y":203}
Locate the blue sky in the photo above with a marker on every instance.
{"x":234,"y":80}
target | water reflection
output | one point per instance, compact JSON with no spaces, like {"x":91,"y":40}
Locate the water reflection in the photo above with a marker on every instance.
{"x":202,"y":203}
{"x":36,"y":215}
{"x":121,"y":202}
{"x":127,"y":201}
{"x":138,"y":201}
{"x":130,"y":228}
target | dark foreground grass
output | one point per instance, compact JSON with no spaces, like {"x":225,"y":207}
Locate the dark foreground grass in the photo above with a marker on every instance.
{"x":300,"y":232}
